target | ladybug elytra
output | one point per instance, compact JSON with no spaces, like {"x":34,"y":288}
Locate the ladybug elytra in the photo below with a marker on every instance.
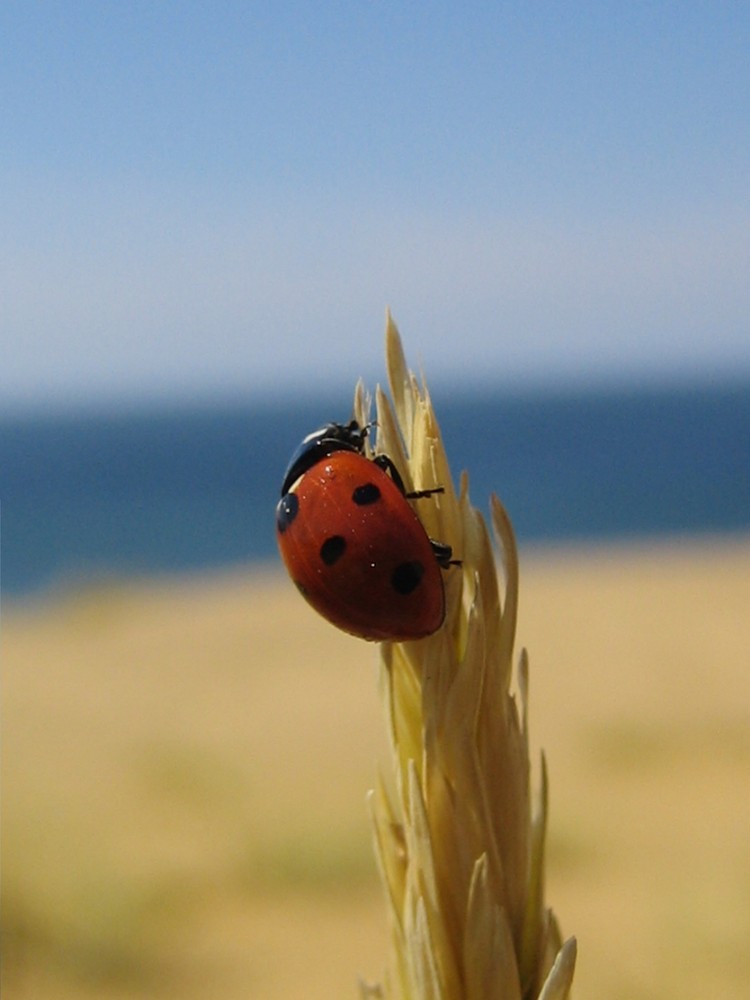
{"x":353,"y":544}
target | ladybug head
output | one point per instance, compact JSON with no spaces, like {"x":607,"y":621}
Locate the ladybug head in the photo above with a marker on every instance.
{"x":316,"y":446}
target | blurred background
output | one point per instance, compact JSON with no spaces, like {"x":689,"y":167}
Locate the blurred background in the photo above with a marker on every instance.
{"x":205,"y":213}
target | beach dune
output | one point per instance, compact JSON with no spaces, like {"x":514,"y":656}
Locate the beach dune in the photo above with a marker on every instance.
{"x":185,"y":766}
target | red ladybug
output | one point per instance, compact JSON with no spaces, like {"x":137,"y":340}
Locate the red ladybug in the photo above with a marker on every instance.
{"x":352,"y":543}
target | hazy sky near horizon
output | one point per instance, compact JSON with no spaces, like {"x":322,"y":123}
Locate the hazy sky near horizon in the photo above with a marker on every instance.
{"x":201,"y":198}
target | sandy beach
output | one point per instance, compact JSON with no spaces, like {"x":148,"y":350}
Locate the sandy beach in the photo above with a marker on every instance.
{"x":185,"y":766}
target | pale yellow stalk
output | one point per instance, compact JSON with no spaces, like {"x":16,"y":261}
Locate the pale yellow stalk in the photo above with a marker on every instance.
{"x":459,"y":841}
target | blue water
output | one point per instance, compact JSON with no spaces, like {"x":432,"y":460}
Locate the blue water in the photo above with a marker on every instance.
{"x":100,"y":496}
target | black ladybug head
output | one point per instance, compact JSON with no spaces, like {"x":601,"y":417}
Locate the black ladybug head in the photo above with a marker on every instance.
{"x":316,"y":446}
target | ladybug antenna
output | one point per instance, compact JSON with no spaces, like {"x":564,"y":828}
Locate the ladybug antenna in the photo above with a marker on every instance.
{"x":367,"y":427}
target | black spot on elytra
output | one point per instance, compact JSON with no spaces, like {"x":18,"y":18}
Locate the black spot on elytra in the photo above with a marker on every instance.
{"x":332,"y":549}
{"x":406,"y":576}
{"x":301,"y":588}
{"x":366,"y":494}
{"x":286,"y":511}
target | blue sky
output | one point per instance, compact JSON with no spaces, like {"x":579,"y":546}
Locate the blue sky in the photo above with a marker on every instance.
{"x":202,"y":199}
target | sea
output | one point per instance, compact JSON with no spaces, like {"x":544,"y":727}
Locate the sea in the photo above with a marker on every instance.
{"x":98,"y":496}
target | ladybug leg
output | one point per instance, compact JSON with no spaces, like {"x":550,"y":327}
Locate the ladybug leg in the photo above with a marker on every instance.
{"x":385,"y":463}
{"x":443,"y":553}
{"x":421,"y":494}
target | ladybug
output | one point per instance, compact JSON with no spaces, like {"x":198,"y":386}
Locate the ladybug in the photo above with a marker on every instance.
{"x":352,"y":543}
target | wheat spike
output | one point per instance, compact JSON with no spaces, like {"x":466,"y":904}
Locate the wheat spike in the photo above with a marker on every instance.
{"x":459,"y":841}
